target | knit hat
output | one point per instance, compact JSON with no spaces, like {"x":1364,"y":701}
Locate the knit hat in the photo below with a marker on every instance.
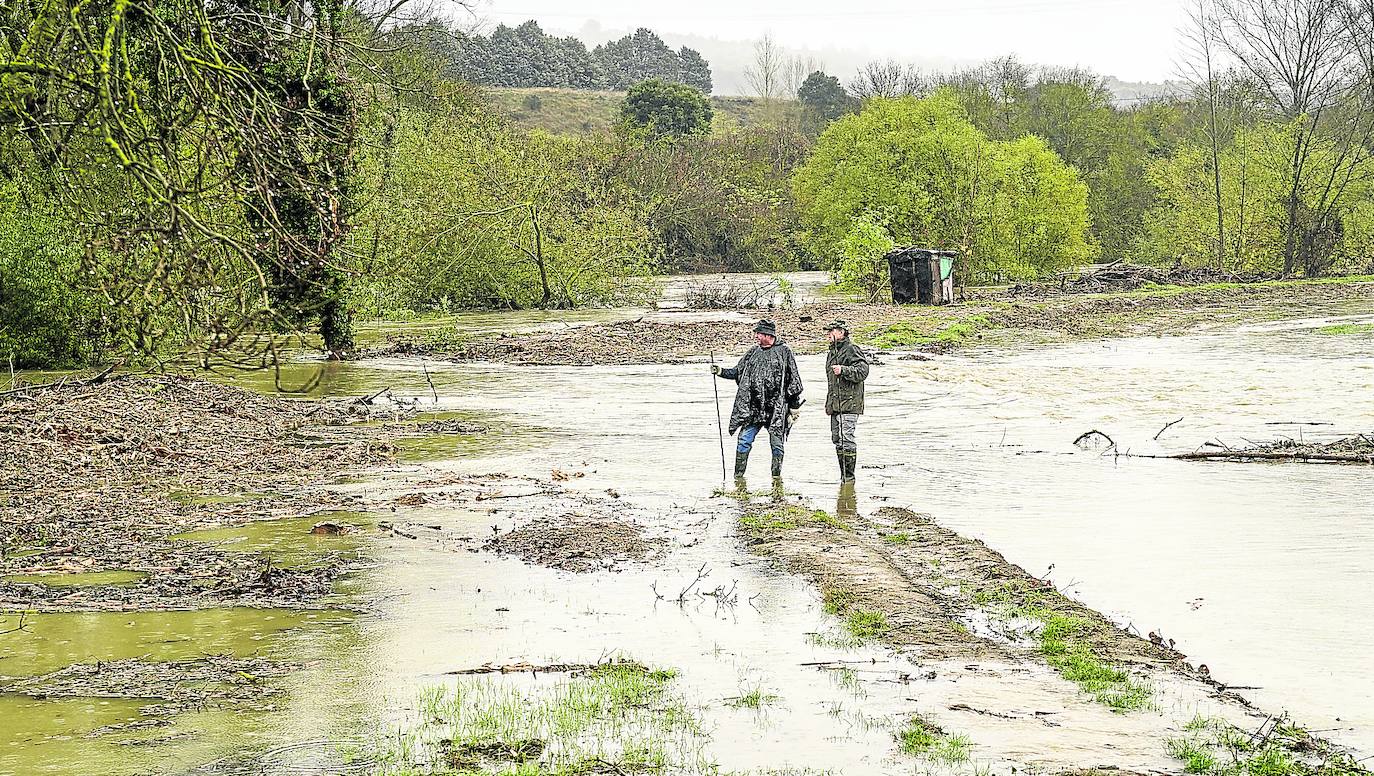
{"x":766,"y":326}
{"x":838,"y":324}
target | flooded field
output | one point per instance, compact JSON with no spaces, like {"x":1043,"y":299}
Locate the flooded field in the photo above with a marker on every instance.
{"x":1258,"y":571}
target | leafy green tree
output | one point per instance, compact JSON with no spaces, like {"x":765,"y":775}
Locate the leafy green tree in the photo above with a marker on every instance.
{"x":46,"y":319}
{"x":824,"y":98}
{"x":696,"y":72}
{"x":861,"y":266}
{"x":469,"y":212}
{"x":662,"y":109}
{"x":1255,"y":189}
{"x":638,"y":57}
{"x":922,"y":171}
{"x":721,"y":201}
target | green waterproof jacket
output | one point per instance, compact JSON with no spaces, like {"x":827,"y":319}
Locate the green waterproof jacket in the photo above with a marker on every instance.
{"x":845,"y":392}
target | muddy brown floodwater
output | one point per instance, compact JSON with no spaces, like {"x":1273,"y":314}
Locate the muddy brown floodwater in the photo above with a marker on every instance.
{"x":1258,"y":571}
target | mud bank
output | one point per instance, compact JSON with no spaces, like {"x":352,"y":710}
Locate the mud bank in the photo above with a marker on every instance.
{"x":996,"y":316}
{"x":898,"y":578}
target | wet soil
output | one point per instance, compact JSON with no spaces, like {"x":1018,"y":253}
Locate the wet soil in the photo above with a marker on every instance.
{"x":100,"y":477}
{"x":575,"y":543}
{"x":926,"y":579}
{"x":946,"y":598}
{"x":986,"y":314}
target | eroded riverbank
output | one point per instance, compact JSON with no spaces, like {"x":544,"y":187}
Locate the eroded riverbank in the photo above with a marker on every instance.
{"x":988,"y":317}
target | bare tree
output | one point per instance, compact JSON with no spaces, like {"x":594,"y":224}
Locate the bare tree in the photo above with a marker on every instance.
{"x":1304,"y":58}
{"x":1199,"y":70}
{"x":795,"y":73}
{"x":764,"y":75}
{"x":889,"y":78}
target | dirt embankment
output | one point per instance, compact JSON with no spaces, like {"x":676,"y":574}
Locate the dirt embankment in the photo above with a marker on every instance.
{"x":1010,"y":313}
{"x":96,"y":477}
{"x":925,"y":580}
{"x":946,"y":600}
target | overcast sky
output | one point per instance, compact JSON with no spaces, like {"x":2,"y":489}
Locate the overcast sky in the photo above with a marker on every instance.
{"x":1134,"y":40}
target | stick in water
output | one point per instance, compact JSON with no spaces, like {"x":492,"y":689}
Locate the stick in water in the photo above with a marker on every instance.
{"x":720,"y":430}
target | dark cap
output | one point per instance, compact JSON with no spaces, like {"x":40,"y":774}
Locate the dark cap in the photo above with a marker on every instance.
{"x":766,"y":326}
{"x":838,"y":324}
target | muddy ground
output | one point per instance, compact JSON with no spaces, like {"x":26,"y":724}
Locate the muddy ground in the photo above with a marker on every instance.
{"x":97,"y":477}
{"x":103,"y":478}
{"x":989,"y":316}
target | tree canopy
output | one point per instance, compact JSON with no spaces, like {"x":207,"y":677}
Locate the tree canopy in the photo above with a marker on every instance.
{"x":663,"y":109}
{"x":920,"y":170}
{"x":527,"y":57}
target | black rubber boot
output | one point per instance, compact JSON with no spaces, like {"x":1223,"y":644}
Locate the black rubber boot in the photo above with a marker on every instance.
{"x":839,"y":456}
{"x":741,"y":462}
{"x":848,"y":463}
{"x":777,"y":464}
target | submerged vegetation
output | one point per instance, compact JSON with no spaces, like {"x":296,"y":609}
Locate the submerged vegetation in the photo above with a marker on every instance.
{"x":618,"y":716}
{"x":1216,"y":747}
{"x":921,"y":738}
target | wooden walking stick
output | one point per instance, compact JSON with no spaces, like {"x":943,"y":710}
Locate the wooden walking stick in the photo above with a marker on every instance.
{"x":720,"y":428}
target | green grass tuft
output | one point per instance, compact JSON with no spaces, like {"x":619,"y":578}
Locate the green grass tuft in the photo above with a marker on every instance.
{"x":923,"y":739}
{"x":1347,"y":328}
{"x":1197,"y":757}
{"x":867,"y":625}
{"x":788,"y":517}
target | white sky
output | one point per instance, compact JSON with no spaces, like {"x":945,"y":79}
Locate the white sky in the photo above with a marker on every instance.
{"x":1134,"y":40}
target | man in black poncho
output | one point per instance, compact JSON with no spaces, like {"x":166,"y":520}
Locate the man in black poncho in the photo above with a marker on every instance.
{"x":769,"y":395}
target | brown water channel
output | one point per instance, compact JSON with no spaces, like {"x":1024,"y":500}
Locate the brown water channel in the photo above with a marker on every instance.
{"x":1262,"y":572}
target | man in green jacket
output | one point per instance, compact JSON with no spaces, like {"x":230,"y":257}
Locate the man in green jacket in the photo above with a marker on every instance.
{"x":846,"y":368}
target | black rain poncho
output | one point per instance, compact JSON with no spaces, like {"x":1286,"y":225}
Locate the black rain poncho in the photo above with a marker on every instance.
{"x":769,"y":384}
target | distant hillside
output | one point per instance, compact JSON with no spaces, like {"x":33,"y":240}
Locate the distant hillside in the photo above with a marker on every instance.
{"x":576,"y":112}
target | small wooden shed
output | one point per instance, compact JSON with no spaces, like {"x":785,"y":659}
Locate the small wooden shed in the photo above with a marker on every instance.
{"x":921,"y":275}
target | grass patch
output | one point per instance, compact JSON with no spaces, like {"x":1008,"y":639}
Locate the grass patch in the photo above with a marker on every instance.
{"x":1196,"y":758}
{"x":621,"y":714}
{"x":788,"y":517}
{"x":867,"y":625}
{"x":862,"y":624}
{"x":913,"y":333}
{"x":1062,"y":645}
{"x":924,"y":739}
{"x":1064,"y":642}
{"x":901,"y":537}
{"x":1347,"y":328}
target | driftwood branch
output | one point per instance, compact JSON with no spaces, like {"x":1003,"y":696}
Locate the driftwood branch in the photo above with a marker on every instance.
{"x":1167,"y":426}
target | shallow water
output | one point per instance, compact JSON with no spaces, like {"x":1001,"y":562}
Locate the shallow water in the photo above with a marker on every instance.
{"x":1256,"y":570}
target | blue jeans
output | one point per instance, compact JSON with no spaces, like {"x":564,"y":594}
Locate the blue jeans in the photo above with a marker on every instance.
{"x":746,"y":440}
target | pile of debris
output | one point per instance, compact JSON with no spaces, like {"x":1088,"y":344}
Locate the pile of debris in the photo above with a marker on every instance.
{"x":196,"y":434}
{"x":1124,"y":276}
{"x":574,"y":543}
{"x":1354,"y":449}
{"x":96,"y":474}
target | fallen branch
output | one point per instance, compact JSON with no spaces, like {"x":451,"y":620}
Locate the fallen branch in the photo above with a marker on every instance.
{"x":1167,"y":426}
{"x":702,"y":573}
